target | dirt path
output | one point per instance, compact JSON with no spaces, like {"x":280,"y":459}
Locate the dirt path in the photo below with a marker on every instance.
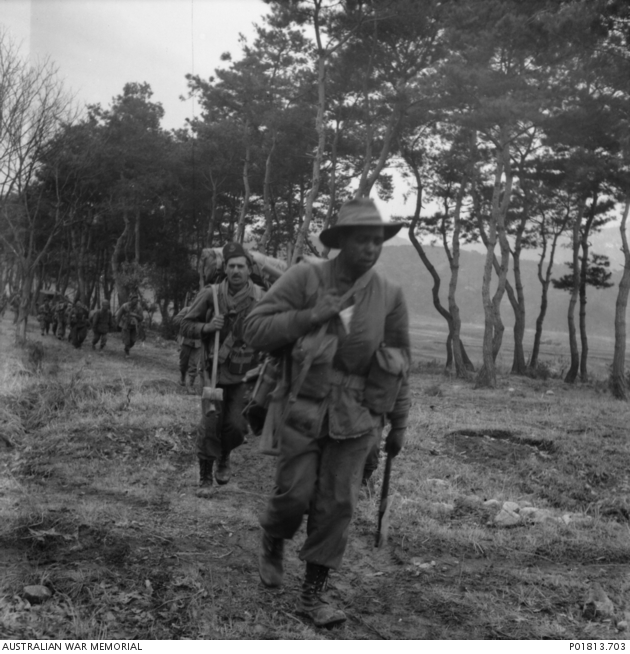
{"x":98,"y":501}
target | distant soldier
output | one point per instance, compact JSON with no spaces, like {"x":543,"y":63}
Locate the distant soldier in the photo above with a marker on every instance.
{"x":4,"y":303}
{"x":53,"y":314}
{"x":44,"y":315}
{"x":189,"y":354}
{"x":79,"y":323}
{"x":129,"y":318}
{"x":67,"y":314}
{"x":102,"y":322}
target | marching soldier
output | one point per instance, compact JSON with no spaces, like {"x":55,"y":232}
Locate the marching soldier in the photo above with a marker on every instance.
{"x":129,"y":318}
{"x":189,"y":354}
{"x":45,"y":315}
{"x":79,"y":323}
{"x":236,"y":296}
{"x":102,"y":322}
{"x":348,"y":333}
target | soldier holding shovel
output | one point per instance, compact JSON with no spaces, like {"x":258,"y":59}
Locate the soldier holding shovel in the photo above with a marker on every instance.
{"x":350,"y":326}
{"x":221,"y":309}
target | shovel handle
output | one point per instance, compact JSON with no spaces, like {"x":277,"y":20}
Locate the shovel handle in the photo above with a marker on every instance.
{"x":217,"y":334}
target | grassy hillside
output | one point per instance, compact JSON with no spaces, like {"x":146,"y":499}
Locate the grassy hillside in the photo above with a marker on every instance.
{"x":98,"y":506}
{"x":402,"y":264}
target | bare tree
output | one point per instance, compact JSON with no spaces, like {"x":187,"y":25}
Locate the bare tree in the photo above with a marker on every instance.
{"x":33,"y":107}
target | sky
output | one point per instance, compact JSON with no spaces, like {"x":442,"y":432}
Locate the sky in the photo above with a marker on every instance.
{"x":100,"y":45}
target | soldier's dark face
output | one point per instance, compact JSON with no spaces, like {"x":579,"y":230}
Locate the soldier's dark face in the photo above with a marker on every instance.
{"x":237,"y":271}
{"x":361,"y":247}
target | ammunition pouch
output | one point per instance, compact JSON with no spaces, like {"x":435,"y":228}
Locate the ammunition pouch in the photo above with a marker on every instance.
{"x":322,"y":348}
{"x":388,"y":369}
{"x":241,"y":360}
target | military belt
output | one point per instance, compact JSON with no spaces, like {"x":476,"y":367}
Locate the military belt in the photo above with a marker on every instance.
{"x":340,"y":378}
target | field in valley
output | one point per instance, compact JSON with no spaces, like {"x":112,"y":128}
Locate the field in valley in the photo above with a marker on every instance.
{"x":510,"y":516}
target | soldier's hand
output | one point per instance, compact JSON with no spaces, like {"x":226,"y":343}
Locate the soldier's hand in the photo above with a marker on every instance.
{"x":215,"y":325}
{"x":328,"y":305}
{"x":394,"y":441}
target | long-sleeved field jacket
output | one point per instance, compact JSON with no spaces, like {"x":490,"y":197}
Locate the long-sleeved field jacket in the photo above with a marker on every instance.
{"x":102,"y":321}
{"x":233,"y":348}
{"x":379,"y":323}
{"x":128,"y":317}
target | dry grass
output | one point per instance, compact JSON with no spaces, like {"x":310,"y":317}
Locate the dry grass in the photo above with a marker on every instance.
{"x":97,"y":503}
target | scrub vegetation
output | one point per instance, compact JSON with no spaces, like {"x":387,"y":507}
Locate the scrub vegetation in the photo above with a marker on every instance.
{"x":97,"y":504}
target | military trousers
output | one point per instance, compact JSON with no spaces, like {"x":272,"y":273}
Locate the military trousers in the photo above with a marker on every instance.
{"x":44,"y":324}
{"x":318,"y":475}
{"x":189,"y":359}
{"x":225,"y":430}
{"x":129,"y":338}
{"x":99,"y":336}
{"x":78,"y":334}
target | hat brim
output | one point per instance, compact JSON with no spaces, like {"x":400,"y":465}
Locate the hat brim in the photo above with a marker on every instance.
{"x":330,"y":237}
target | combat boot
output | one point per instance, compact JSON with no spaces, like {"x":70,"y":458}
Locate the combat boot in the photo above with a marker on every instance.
{"x":205,"y":478}
{"x":224,"y":471}
{"x":312,"y":604}
{"x":270,"y":560}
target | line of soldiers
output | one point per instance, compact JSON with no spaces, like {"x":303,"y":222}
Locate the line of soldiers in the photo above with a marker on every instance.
{"x":76,"y":316}
{"x":341,"y":331}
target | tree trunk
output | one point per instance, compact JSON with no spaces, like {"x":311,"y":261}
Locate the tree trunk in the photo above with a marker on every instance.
{"x":462,"y":367}
{"x":367,"y":181}
{"x":584,"y":245}
{"x":618,"y":383}
{"x":572,"y":373}
{"x":582,"y":316}
{"x":317,"y":160}
{"x":26,"y":285}
{"x":117,"y":255}
{"x":264,"y":241}
{"x":519,"y":367}
{"x":493,"y":326}
{"x":240,"y":231}
{"x":332,"y":185}
{"x":137,"y":235}
{"x":454,"y":347}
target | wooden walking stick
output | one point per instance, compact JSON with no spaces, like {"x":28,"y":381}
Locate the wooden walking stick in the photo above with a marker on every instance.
{"x":212,"y":393}
{"x":385,"y":506}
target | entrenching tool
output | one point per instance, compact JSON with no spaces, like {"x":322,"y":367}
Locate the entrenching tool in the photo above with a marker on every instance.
{"x":212,"y":393}
{"x":385,"y":506}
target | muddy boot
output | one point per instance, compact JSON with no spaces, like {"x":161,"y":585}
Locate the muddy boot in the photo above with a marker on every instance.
{"x":270,"y":560}
{"x":182,"y":379}
{"x":205,"y":478}
{"x":223,"y":472}
{"x":312,"y":604}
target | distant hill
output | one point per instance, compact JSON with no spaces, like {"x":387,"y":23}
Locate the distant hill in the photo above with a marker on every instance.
{"x":403,"y":265}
